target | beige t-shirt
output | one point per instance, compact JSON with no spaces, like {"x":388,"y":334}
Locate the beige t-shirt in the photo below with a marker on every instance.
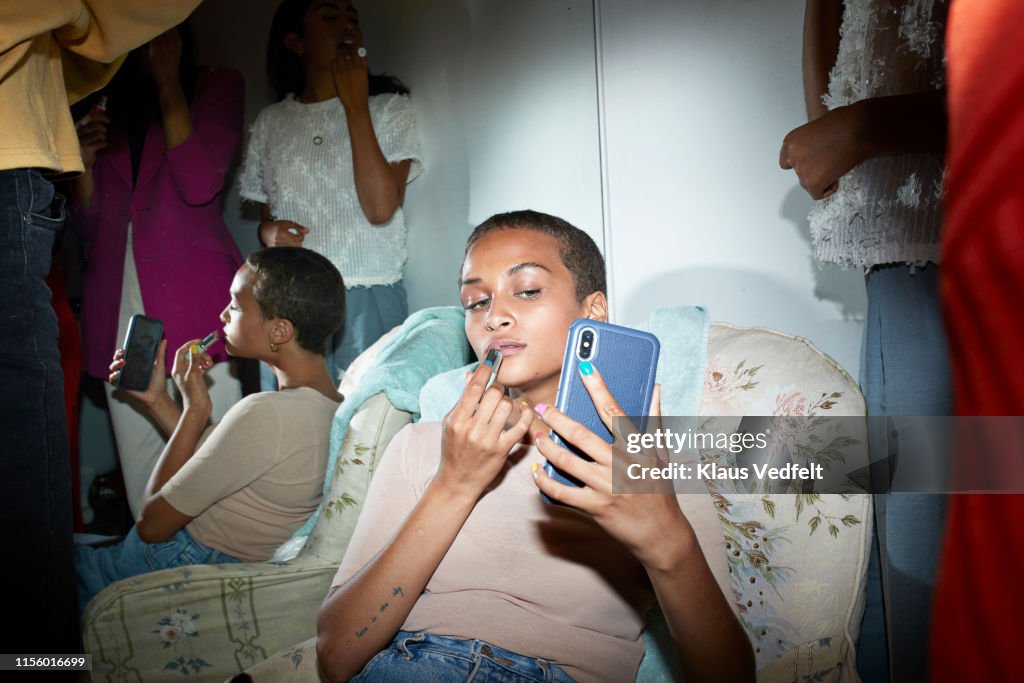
{"x":58,"y":51}
{"x":258,"y":474}
{"x":540,"y":580}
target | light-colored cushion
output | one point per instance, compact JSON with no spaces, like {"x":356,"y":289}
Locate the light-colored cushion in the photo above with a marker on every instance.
{"x":369,"y":434}
{"x":798,"y":561}
{"x":296,"y":664}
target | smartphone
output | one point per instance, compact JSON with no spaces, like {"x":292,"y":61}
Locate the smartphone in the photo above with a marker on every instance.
{"x":627,"y":360}
{"x":140,"y":345}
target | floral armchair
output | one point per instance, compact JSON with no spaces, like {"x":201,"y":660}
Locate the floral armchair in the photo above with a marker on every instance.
{"x":797,"y":561}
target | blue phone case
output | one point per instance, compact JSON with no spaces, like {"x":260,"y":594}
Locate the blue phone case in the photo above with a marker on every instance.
{"x":627,"y":360}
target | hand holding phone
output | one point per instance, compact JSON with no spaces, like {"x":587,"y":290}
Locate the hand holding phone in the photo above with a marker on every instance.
{"x":628,"y":363}
{"x":140,"y":347}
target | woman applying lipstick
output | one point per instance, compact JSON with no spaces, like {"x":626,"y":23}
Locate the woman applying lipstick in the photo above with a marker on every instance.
{"x":328,"y":163}
{"x":238,"y":489}
{"x":456,"y":564}
{"x":148,"y":206}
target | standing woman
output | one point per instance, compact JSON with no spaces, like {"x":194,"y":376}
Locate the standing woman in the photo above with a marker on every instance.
{"x":148,"y":204}
{"x":329,"y":163}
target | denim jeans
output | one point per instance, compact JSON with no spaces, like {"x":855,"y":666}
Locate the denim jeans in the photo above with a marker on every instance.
{"x":35,"y":477}
{"x":97,"y":568}
{"x":427,"y":658}
{"x":904,"y":371}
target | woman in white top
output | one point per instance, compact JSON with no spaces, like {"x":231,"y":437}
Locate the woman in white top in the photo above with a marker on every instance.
{"x":872,"y":153}
{"x":329,"y":163}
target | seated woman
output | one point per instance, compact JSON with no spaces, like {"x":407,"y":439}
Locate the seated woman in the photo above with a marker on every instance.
{"x":457,"y":566}
{"x":236,"y":490}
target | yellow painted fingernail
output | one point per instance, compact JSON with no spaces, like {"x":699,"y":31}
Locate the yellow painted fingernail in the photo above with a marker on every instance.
{"x":194,"y":349}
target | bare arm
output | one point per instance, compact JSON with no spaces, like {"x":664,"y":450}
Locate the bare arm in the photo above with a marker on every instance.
{"x":822,"y":19}
{"x":158,"y":519}
{"x":353,"y":625}
{"x":834,"y":142}
{"x":92,"y":137}
{"x":828,"y":147}
{"x":711,"y":643}
{"x":380,"y":185}
{"x":165,"y":58}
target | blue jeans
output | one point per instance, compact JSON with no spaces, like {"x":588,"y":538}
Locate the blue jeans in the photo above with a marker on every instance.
{"x":97,"y":568}
{"x":35,"y":475}
{"x":427,"y":658}
{"x":904,"y":371}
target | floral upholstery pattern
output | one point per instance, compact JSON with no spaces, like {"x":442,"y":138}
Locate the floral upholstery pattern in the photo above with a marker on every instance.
{"x":797,"y":560}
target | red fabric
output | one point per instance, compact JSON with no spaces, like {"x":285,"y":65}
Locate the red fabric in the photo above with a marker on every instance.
{"x":70,"y":345}
{"x":977,"y":603}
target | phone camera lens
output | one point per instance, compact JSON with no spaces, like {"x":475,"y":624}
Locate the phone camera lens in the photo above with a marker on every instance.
{"x":586,"y":344}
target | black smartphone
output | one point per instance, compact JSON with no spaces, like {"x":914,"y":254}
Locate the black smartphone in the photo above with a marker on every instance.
{"x":628,"y":362}
{"x":140,"y":345}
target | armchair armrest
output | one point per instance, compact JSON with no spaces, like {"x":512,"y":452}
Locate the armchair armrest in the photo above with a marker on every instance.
{"x":204,"y":621}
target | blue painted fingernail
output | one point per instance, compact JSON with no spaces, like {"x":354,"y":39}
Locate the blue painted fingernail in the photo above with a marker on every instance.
{"x":586,"y":368}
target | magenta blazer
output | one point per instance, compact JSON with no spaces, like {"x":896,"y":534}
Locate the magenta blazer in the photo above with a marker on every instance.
{"x":184,"y":254}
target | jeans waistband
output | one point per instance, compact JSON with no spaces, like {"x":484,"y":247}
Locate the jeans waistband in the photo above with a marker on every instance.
{"x":478,"y":649}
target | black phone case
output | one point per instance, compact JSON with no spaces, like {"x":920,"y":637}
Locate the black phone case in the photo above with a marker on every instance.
{"x":140,"y":345}
{"x":627,"y":360}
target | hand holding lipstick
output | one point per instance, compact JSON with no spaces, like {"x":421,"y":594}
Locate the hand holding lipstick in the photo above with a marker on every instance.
{"x":188,"y":371}
{"x":92,"y":135}
{"x":282,"y":233}
{"x":204,"y":344}
{"x":475,"y":441}
{"x":351,"y":78}
{"x":164,"y":54}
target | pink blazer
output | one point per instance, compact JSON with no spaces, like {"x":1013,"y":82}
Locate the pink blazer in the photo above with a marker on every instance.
{"x":184,"y":254}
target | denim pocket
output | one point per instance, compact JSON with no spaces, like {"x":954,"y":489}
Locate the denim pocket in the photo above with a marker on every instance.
{"x":40,"y":204}
{"x":178,"y":551}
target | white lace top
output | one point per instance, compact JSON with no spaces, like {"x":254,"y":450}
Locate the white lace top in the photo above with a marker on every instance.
{"x":299,"y":163}
{"x":886,"y":210}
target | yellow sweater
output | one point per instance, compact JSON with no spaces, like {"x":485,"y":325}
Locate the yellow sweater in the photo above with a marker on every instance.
{"x":53,"y":52}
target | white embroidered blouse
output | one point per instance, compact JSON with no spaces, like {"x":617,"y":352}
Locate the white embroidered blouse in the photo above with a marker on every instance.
{"x":299,"y":163}
{"x":886,"y":210}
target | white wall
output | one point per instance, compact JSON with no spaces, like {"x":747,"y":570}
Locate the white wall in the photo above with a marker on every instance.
{"x":697,"y":96}
{"x":505,"y":97}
